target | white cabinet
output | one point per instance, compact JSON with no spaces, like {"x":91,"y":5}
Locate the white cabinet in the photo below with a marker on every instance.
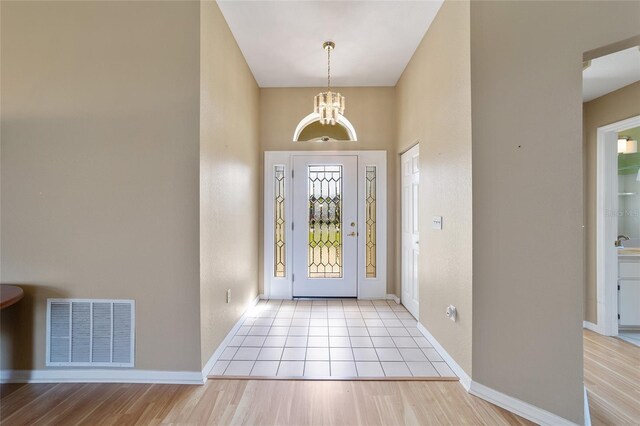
{"x":629,"y":270}
{"x":629,"y":293}
{"x":629,"y":302}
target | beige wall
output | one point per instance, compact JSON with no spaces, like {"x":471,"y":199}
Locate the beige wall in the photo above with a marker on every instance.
{"x":434,"y":109}
{"x":229,"y":181}
{"x":99,"y":168}
{"x":616,"y":106}
{"x":528,"y":257}
{"x":281,"y":109}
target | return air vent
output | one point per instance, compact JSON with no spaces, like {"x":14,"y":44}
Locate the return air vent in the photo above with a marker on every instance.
{"x":90,"y":332}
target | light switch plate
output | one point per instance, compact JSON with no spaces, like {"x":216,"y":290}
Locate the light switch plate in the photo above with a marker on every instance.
{"x":437,"y":222}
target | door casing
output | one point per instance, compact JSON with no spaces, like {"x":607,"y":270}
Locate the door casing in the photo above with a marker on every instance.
{"x":282,"y":287}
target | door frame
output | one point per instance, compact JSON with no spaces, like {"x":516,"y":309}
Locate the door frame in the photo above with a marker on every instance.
{"x":282,"y":287}
{"x":401,"y":266}
{"x":607,"y":224}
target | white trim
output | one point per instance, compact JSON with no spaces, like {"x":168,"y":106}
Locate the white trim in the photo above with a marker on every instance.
{"x":101,"y":376}
{"x":282,"y":288}
{"x":587,"y":413}
{"x":516,"y":406}
{"x":591,"y":326}
{"x":607,"y":225}
{"x":313,"y":117}
{"x":465,"y":379}
{"x":394,"y":298}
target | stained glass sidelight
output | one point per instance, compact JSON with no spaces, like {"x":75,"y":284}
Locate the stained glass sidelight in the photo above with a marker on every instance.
{"x":279,"y":225}
{"x":370,"y":221}
{"x":325,"y":221}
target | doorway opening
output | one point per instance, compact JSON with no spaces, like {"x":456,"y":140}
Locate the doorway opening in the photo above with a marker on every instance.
{"x":618,"y":230}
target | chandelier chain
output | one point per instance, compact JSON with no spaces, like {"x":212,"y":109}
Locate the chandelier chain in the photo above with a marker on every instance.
{"x":329,"y":68}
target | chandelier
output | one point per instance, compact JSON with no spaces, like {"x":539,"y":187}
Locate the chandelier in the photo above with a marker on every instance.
{"x":328,"y":105}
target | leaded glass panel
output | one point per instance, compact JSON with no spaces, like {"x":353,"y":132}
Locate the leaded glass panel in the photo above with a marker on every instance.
{"x":279,"y":223}
{"x":370,"y":221}
{"x":325,"y":221}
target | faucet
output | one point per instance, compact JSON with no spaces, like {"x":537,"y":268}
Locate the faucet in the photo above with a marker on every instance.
{"x":619,"y":240}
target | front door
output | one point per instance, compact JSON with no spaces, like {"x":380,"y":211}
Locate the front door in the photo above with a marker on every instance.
{"x":325,"y":229}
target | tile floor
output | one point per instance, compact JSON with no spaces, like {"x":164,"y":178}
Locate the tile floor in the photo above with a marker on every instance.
{"x":631,"y":336}
{"x":337,"y":338}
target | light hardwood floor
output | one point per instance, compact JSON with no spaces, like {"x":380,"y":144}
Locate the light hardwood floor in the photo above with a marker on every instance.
{"x":612,"y":376}
{"x":251,"y":402}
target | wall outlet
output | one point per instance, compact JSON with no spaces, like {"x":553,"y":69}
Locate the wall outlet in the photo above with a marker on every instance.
{"x":436,"y":222}
{"x":228,"y":295}
{"x":451,"y":312}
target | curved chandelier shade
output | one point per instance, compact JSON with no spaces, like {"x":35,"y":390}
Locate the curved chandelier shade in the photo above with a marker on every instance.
{"x":328,"y":105}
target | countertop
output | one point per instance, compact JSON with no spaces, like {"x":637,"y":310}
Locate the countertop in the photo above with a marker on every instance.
{"x":629,"y":253}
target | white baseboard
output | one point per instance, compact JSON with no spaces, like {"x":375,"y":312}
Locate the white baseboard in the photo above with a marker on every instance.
{"x":216,"y":355}
{"x":465,"y":380}
{"x":394,"y":298}
{"x":521,"y":408}
{"x":516,"y":406}
{"x":101,"y":376}
{"x":587,"y":413}
{"x":591,"y":326}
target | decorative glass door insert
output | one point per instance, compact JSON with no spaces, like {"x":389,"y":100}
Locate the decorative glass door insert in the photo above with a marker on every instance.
{"x":325,"y":221}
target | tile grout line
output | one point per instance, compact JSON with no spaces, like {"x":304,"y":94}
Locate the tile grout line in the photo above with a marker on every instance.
{"x":374,"y":346}
{"x":272,"y":317}
{"x":353,"y":354}
{"x":265,"y":338}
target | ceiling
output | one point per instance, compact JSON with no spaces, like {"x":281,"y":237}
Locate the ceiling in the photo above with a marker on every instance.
{"x":611,"y":72}
{"x":282,"y":40}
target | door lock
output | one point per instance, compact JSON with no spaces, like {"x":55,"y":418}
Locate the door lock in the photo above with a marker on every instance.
{"x":353,"y":224}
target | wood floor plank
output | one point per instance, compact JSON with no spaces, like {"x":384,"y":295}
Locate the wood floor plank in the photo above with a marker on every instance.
{"x":49,"y":399}
{"x":612,"y":377}
{"x":260,"y":402}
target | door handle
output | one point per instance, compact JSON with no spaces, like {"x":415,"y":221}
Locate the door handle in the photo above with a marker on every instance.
{"x":352,"y":234}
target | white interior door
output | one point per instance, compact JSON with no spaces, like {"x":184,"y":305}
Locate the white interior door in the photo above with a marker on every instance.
{"x":410,"y":182}
{"x":325,"y":230}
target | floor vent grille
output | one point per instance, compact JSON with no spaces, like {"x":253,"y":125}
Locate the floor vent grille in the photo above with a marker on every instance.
{"x":90,"y":333}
